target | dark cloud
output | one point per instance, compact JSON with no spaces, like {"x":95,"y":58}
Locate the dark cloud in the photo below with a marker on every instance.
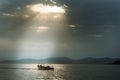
{"x":94,"y":12}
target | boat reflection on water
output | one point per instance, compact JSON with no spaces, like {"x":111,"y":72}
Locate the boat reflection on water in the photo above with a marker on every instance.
{"x":40,"y":67}
{"x":50,"y":72}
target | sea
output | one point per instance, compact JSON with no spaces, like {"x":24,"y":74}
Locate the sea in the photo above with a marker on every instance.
{"x":60,"y":72}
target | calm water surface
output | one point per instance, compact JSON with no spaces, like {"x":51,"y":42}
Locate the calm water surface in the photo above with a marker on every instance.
{"x":61,"y":72}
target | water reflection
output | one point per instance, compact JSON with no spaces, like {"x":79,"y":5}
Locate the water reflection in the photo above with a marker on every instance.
{"x":31,"y":72}
{"x":50,"y":74}
{"x":61,"y":72}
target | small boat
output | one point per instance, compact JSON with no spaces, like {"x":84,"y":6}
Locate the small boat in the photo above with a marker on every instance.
{"x":40,"y":67}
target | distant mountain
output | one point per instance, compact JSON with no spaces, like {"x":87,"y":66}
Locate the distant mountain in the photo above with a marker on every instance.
{"x":90,"y":60}
{"x":117,"y":62}
{"x":20,"y":61}
{"x":60,"y":60}
{"x":63,"y":60}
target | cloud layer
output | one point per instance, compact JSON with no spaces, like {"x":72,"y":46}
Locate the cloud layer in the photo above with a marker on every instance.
{"x":89,"y":28}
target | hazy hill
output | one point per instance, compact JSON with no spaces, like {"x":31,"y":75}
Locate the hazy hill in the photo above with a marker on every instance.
{"x":63,"y":60}
{"x":116,"y":62}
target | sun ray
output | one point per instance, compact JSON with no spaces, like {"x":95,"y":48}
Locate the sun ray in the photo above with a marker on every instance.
{"x":42,"y":8}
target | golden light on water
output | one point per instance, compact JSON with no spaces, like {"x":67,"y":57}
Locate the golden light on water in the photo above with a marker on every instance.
{"x":42,"y":8}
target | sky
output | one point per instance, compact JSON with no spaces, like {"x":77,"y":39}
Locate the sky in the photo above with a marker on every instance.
{"x":59,"y":28}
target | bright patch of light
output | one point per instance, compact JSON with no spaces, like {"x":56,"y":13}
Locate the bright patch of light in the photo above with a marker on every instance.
{"x":57,"y":16}
{"x":72,"y":26}
{"x":9,"y":15}
{"x":26,"y":16}
{"x":41,"y":8}
{"x":42,"y":29}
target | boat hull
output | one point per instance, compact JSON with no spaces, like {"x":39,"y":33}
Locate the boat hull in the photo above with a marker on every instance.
{"x":45,"y":68}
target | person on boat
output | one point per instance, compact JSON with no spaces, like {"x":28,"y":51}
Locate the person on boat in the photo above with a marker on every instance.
{"x":38,"y":65}
{"x":48,"y":67}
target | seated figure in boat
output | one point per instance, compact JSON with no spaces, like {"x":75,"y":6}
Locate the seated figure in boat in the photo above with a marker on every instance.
{"x":40,"y":67}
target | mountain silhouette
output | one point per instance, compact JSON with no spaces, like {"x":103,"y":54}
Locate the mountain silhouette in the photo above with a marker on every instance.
{"x":64,"y":60}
